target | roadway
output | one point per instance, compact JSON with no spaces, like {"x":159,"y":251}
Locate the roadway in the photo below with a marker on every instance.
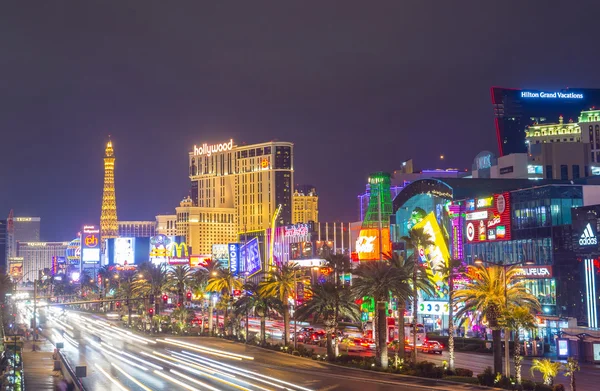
{"x":118,"y":359}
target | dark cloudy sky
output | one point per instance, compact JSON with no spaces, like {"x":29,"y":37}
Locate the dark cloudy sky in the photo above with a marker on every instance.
{"x":358,"y":86}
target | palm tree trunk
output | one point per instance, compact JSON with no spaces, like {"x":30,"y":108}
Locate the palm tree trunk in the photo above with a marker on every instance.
{"x":128,"y":312}
{"x":401,"y":336}
{"x":518,"y":357}
{"x":382,"y":349}
{"x":286,"y":324}
{"x":210,"y":315}
{"x":330,"y":352}
{"x":226,"y":320}
{"x":497,"y":342}
{"x":451,"y":322}
{"x":263,"y":328}
{"x":415,"y":313}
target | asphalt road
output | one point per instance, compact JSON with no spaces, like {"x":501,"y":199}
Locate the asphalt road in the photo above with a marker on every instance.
{"x":198,"y":363}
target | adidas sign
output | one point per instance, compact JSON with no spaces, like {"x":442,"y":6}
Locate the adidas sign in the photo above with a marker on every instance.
{"x":587,"y":237}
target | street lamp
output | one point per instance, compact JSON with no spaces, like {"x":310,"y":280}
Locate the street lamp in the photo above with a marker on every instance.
{"x":505,"y":266}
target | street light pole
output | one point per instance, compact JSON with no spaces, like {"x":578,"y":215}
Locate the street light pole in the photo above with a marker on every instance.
{"x":34,"y":323}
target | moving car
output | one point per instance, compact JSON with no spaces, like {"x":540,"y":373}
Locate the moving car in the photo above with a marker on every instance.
{"x":357,"y":344}
{"x":432,"y":347}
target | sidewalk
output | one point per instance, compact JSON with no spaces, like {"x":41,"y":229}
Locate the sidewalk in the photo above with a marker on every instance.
{"x":38,"y":366}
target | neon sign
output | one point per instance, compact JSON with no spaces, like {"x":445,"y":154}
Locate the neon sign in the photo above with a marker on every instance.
{"x":587,"y":237}
{"x":365,"y":244}
{"x":492,"y":222}
{"x":91,"y":240}
{"x":551,"y":95}
{"x":208,"y":150}
{"x":296,"y":230}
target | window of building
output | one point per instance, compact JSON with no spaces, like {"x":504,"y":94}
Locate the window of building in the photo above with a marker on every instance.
{"x":576,"y":171}
{"x":564,"y":172}
{"x":548,"y":172}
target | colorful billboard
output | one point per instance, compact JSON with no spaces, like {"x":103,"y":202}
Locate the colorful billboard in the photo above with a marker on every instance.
{"x":488,"y":219}
{"x":15,"y":267}
{"x":73,"y":251}
{"x":168,"y":249}
{"x":90,"y":244}
{"x":124,"y":251}
{"x":250,"y":257}
{"x":437,"y":255}
{"x":367,"y":244}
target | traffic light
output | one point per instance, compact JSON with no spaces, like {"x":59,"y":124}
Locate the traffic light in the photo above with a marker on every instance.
{"x":237,"y":292}
{"x":165,"y":298}
{"x":151,"y":299}
{"x":189,"y":296}
{"x":151,"y":312}
{"x":118,"y":304}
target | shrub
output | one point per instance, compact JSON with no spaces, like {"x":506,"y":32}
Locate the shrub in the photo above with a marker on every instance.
{"x":558,"y":387}
{"x":428,"y":369}
{"x":487,"y":377}
{"x":463,"y":379}
{"x":542,"y":387}
{"x":528,"y":385}
{"x":463,"y":372}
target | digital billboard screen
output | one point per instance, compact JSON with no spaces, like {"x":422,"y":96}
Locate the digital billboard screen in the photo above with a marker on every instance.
{"x":166,"y":249}
{"x":250,"y":257}
{"x":90,"y":244}
{"x":124,"y":251}
{"x":488,"y":219}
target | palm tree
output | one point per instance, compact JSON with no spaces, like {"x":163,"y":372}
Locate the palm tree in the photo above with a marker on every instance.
{"x":401,"y":290}
{"x":571,"y":367}
{"x":179,"y":278}
{"x":151,"y":280}
{"x":255,"y":300}
{"x":328,"y":304}
{"x":281,"y":284}
{"x":200,"y":281}
{"x":224,"y":282}
{"x":377,"y":280}
{"x":417,"y":239}
{"x":453,"y":269}
{"x":485,"y":292}
{"x":548,"y":369}
{"x":181,"y":316}
{"x":517,"y":318}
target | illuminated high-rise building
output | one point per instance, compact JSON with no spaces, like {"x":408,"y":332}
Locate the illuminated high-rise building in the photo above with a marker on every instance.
{"x":252,"y":179}
{"x":108,"y":218}
{"x":305,"y":205}
{"x":137,"y":229}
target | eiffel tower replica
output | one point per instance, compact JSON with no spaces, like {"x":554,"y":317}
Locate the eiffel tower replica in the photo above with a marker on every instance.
{"x":108,"y":217}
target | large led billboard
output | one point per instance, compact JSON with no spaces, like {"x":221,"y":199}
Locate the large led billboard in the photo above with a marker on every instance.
{"x":250,"y":260}
{"x":124,"y":252}
{"x":367,"y":244}
{"x":90,"y":244}
{"x":488,"y":219}
{"x":167,"y":249}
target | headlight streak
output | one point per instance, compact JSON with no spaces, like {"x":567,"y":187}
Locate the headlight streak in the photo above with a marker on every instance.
{"x":143,"y":387}
{"x":199,"y":350}
{"x":222,"y":366}
{"x":200,"y":372}
{"x":114,"y":381}
{"x":133,"y":357}
{"x":99,"y":347}
{"x":186,"y":360}
{"x":194,"y":380}
{"x":211,"y":350}
{"x":178,"y":382}
{"x":241,"y":374}
{"x":70,"y":340}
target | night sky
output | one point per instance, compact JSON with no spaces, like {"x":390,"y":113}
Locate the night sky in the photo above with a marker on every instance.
{"x":358,"y":86}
